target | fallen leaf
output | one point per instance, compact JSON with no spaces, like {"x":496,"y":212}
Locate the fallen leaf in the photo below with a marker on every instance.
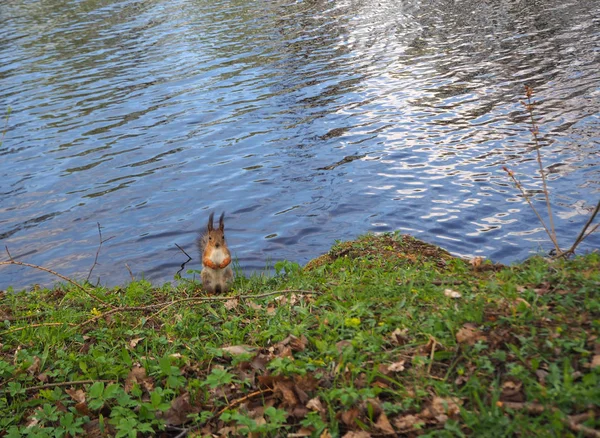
{"x":407,"y":422}
{"x":315,"y":404}
{"x":396,"y":367}
{"x":357,"y":434}
{"x":440,"y":409}
{"x":342,"y":345}
{"x":285,"y":388}
{"x":253,"y":305}
{"x":180,"y":408}
{"x":76,"y":394}
{"x":452,"y":293}
{"x":511,"y":391}
{"x":325,"y":434}
{"x":134,"y":342}
{"x":34,"y":368}
{"x":476,"y":261}
{"x":349,"y":417}
{"x":231,"y":304}
{"x":383,"y":424}
{"x":595,"y":361}
{"x":42,"y":377}
{"x":302,"y":432}
{"x":137,"y":375}
{"x":469,"y":334}
{"x":399,"y":337}
{"x":236,"y":350}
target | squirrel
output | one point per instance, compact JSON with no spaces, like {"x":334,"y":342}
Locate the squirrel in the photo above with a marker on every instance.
{"x":216,"y":274}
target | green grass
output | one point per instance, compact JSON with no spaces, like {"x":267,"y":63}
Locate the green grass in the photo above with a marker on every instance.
{"x":361,"y":339}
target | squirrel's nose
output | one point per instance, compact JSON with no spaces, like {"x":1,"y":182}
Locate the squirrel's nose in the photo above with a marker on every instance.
{"x":218,"y":245}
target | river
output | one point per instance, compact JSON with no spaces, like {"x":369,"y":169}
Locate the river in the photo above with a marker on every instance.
{"x":306,"y":122}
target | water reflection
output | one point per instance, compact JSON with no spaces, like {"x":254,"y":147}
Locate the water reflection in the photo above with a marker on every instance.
{"x":145,"y":116}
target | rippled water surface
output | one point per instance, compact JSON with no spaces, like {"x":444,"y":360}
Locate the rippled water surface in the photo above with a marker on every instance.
{"x":144,"y":116}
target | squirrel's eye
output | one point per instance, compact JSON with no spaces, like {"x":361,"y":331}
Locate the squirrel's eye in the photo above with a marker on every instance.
{"x":210,"y":238}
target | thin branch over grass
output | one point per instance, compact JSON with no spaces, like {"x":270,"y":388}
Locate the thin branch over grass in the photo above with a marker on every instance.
{"x":163,"y":306}
{"x":12,"y":261}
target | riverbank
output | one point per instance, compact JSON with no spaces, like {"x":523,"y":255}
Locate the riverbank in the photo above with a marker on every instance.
{"x":380,"y":336}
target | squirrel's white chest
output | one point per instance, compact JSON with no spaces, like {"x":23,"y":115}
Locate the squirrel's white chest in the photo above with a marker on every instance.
{"x":217,"y":256}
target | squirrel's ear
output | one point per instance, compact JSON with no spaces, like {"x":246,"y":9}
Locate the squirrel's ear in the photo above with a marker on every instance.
{"x":222,"y":221}
{"x":210,"y":221}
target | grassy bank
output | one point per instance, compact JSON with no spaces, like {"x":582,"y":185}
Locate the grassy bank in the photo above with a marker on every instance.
{"x":381,"y":336}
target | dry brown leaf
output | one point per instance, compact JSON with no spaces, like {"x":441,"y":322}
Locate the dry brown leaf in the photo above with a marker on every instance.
{"x":236,"y":350}
{"x":325,"y":434}
{"x":253,"y":305}
{"x":407,"y":422}
{"x":512,"y":391}
{"x":469,"y":334}
{"x":396,"y":367}
{"x":342,"y":345}
{"x":231,"y":304}
{"x":595,"y":361}
{"x":440,"y":409}
{"x":83,"y":409}
{"x":92,"y":429}
{"x":477,"y":261}
{"x":384,"y":426}
{"x":298,"y":344}
{"x":76,"y":394}
{"x":34,"y":368}
{"x":357,"y":434}
{"x":302,"y":432}
{"x":285,"y":388}
{"x":399,"y":337}
{"x":349,"y":417}
{"x":134,"y":342}
{"x":138,"y":375}
{"x":42,"y":377}
{"x":315,"y":404}
{"x":180,"y":408}
{"x":452,"y":293}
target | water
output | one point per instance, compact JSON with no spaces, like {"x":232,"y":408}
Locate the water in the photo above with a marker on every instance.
{"x":144,"y":116}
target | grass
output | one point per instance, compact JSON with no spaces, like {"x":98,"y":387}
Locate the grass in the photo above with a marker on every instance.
{"x":383,"y":335}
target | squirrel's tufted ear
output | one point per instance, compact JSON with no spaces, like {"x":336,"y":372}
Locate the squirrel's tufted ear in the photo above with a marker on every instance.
{"x":222,"y":221}
{"x":210,"y":222}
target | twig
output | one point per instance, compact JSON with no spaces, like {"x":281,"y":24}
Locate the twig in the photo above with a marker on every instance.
{"x":184,"y":263}
{"x":526,"y":196}
{"x":181,"y":434}
{"x":535,"y":131}
{"x":74,"y":382}
{"x":130,"y":273}
{"x":44,"y":324}
{"x":582,"y":234}
{"x":162,"y":306}
{"x":241,"y":400}
{"x":571,"y":421}
{"x":12,"y":261}
{"x":431,"y":356}
{"x":183,"y":251}
{"x":97,"y":251}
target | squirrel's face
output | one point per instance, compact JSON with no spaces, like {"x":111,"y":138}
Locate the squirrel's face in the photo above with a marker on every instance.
{"x":216,"y":238}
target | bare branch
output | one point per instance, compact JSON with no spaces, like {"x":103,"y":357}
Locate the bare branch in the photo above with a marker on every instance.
{"x":56,"y":274}
{"x":582,"y":234}
{"x":97,"y":251}
{"x":159,"y":307}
